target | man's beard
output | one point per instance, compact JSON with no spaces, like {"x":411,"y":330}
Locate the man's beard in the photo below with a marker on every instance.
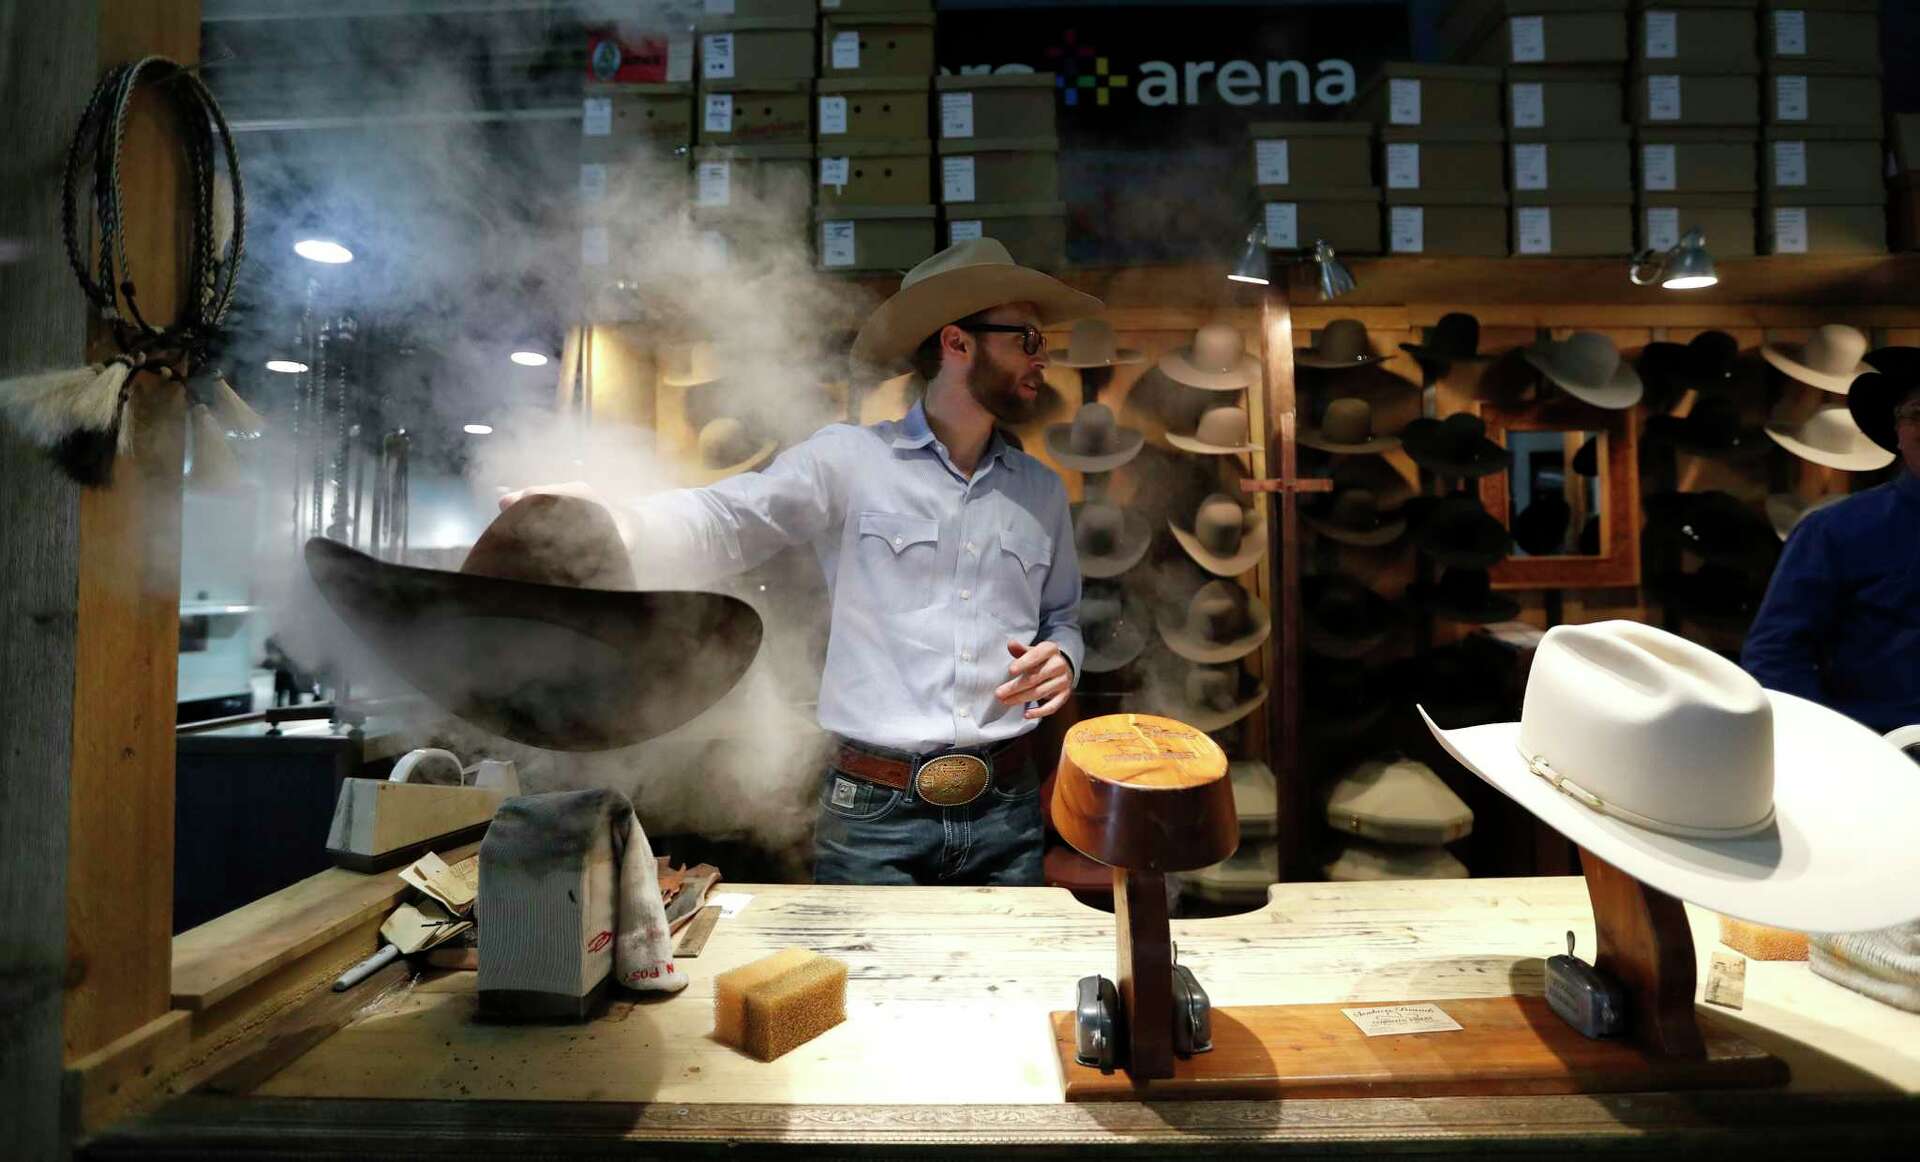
{"x":998,"y":392}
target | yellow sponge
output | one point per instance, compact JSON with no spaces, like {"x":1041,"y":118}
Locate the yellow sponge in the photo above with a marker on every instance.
{"x":779,"y":1002}
{"x":1761,"y":942}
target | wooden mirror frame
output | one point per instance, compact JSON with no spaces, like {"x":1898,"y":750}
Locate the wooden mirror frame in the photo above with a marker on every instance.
{"x":1618,"y":564}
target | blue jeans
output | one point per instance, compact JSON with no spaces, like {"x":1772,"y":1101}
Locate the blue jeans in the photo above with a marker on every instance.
{"x":870,"y":834}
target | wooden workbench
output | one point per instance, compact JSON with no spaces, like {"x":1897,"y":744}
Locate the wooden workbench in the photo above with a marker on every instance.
{"x":947,"y":1044}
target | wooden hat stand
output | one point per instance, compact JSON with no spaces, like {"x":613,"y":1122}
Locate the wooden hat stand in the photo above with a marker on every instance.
{"x":1144,"y":817}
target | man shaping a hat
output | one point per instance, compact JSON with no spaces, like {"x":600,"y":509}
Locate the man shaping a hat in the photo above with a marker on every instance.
{"x":1840,"y":624}
{"x":949,"y":558}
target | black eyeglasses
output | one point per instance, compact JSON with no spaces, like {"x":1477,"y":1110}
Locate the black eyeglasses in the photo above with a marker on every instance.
{"x":1031,"y":340}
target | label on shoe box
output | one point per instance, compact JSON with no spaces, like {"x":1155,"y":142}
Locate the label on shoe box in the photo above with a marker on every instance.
{"x":1789,"y":163}
{"x":1403,"y":165}
{"x":1657,"y":167}
{"x":833,"y":116}
{"x":1403,"y":101}
{"x":1282,"y":220}
{"x":836,"y":245}
{"x":1270,"y":163}
{"x":1790,"y":230}
{"x":1663,"y":97}
{"x":718,"y":114}
{"x":1407,"y":229}
{"x":1529,"y":105}
{"x":1530,"y":166}
{"x":1529,"y":35}
{"x":1663,"y":35}
{"x":956,"y":114}
{"x":1663,"y":227}
{"x":1533,"y":229}
{"x":716,"y":56}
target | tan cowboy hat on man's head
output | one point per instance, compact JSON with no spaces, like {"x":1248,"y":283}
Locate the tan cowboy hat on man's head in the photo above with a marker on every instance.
{"x":1093,"y":344}
{"x":1829,"y":359}
{"x":964,"y":279}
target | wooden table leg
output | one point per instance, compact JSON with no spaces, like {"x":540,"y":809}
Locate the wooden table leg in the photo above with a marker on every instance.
{"x":1645,"y":943}
{"x":1145,"y":969}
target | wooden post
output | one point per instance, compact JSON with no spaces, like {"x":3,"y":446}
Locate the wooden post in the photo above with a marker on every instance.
{"x":1283,"y":535}
{"x":1144,"y":968}
{"x":1645,"y":943}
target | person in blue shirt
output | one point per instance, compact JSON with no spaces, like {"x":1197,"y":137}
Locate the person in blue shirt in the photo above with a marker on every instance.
{"x":1840,"y":624}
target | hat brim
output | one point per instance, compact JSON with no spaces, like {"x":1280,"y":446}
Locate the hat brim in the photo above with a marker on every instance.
{"x":671,"y":380}
{"x":1136,"y":536}
{"x":1178,"y":366}
{"x":1616,"y":394}
{"x":1421,"y":439}
{"x":1310,"y":357}
{"x":1871,"y":403}
{"x":1314,"y":438}
{"x":1253,"y":547}
{"x":1428,"y":354}
{"x":1201,"y":448}
{"x":1490,"y":543}
{"x":1058,"y":437}
{"x":1122,"y":357}
{"x":1838,"y":857}
{"x":1785,"y":357}
{"x":1208,"y":721}
{"x":1128,"y":643}
{"x":1866,"y":457}
{"x":550,"y":666}
{"x":1385,"y":534}
{"x":1197,"y":649}
{"x":762,"y":454}
{"x":900,"y":324}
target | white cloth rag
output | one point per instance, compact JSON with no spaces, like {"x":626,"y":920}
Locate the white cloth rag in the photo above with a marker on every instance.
{"x":1883,"y":964}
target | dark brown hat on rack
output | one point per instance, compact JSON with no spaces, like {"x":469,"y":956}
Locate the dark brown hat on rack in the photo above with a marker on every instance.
{"x":1455,"y":338}
{"x":1876,"y":397}
{"x":1341,"y":344}
{"x":1455,"y":530}
{"x":1463,"y":595}
{"x":1702,"y":363}
{"x":1341,"y":618}
{"x":1094,"y":441}
{"x":1347,"y":427}
{"x":1221,"y":623}
{"x":1353,"y":517}
{"x":1455,"y":446}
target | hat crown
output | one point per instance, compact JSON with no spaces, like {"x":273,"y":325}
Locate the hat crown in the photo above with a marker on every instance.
{"x":1217,"y":612}
{"x":1220,"y":524}
{"x":1355,"y":508}
{"x":1093,"y":341}
{"x":1662,"y":732}
{"x":1834,"y":349}
{"x":1212,"y":687}
{"x":1587,"y":357}
{"x":1098,"y":528}
{"x":1469,"y":586}
{"x":553,"y":540}
{"x":1343,"y":340}
{"x":1456,"y":334}
{"x":1224,"y":427}
{"x":1094,"y":431}
{"x":691,"y":363}
{"x":1347,"y":421}
{"x":724,"y":441}
{"x":972,"y":252}
{"x":1463,"y":430}
{"x":1217,"y":348}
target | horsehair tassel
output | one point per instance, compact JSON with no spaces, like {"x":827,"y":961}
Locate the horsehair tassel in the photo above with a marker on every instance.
{"x":234,"y":416}
{"x":51,"y":406}
{"x":215,"y":468}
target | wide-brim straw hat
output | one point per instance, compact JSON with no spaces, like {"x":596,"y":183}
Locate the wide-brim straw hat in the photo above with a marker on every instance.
{"x":1830,"y":359}
{"x":964,"y":279}
{"x":1587,"y":366}
{"x":1095,"y":423}
{"x":1093,"y":344}
{"x":1830,"y":437}
{"x":1216,"y":360}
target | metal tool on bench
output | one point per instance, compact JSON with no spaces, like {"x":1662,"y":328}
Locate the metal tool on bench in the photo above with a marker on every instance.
{"x":1100,"y":1026}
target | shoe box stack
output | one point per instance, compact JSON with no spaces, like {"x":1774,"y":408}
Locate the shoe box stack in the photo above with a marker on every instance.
{"x":1314,"y":180}
{"x":1825,"y":192}
{"x":636,"y":124}
{"x":1440,"y":157}
{"x":755,"y":68}
{"x":999,"y":166}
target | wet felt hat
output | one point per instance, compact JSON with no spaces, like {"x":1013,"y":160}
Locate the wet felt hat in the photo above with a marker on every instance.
{"x":1463,"y":595}
{"x":1830,"y":359}
{"x":1455,"y":530}
{"x":1353,"y":516}
{"x":1714,"y":526}
{"x":1224,"y":538}
{"x":1341,"y":344}
{"x":727,"y":448}
{"x":1587,"y":366}
{"x":1347,"y":427}
{"x":1341,"y":618}
{"x":1113,"y":638}
{"x":1221,"y":623}
{"x":1109,"y":539}
{"x":1455,"y":446}
{"x":1094,"y":441}
{"x":964,"y":279}
{"x":1222,"y":431}
{"x":1093,"y":344}
{"x":1455,"y":338}
{"x":1216,"y":360}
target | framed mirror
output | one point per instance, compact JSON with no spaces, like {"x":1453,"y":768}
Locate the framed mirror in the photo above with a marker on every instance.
{"x":1570,"y":495}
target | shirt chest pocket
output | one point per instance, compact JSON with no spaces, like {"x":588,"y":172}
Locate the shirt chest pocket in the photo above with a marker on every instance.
{"x":1014,"y":574}
{"x":895,"y":555}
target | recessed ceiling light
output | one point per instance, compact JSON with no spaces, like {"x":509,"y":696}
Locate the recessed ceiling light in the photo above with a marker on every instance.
{"x":286,"y":366}
{"x":529,"y":358}
{"x":323,"y":250}
{"x":478,"y":429}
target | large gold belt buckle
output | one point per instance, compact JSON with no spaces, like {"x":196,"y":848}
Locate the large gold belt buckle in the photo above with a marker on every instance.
{"x":952,"y":780}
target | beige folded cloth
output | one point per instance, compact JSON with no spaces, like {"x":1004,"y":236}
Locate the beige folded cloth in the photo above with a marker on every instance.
{"x":1883,"y":964}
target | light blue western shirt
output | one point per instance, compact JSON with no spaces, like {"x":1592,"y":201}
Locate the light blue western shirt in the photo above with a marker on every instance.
{"x":930,"y":573}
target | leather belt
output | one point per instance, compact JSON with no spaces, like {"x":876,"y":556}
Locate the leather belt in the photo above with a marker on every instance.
{"x":951,"y":778}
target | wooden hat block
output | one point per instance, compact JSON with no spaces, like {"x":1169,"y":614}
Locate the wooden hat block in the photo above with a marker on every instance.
{"x":1510,"y":1045}
{"x":1145,"y":796}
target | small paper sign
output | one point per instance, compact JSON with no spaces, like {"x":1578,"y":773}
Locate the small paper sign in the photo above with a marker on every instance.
{"x":719,"y":114}
{"x":1790,"y":230}
{"x":1789,"y":163}
{"x":596,"y":117}
{"x":846,"y":50}
{"x":965,"y":230}
{"x":956,"y":114}
{"x":1270,"y":166}
{"x":1282,"y":221}
{"x":1789,"y":32}
{"x":833,"y":116}
{"x":1403,"y":165}
{"x":834,"y":172}
{"x":1663,"y":36}
{"x":596,"y":246}
{"x":836,"y":249}
{"x":1663,"y":97}
{"x":956,"y":179}
{"x":1529,"y":104}
{"x":593,"y":182}
{"x":731,"y":904}
{"x":680,"y":58}
{"x":1790,"y":98}
{"x":1407,"y":229}
{"x":1663,"y":227}
{"x":1726,"y":980}
{"x":1529,"y":39}
{"x":713,"y":184}
{"x":716,"y":56}
{"x":1658,"y":165}
{"x":1394,"y":1020}
{"x":1530,"y":166}
{"x":1403,"y":101}
{"x":1533,"y":228}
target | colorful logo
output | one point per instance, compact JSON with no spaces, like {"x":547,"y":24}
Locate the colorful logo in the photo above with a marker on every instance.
{"x":1078,"y":70}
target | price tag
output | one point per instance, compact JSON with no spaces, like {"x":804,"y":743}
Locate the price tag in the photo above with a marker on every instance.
{"x":1534,"y":229}
{"x":1529,"y":105}
{"x":596,"y":246}
{"x":1657,"y":167}
{"x":596,"y":117}
{"x":965,"y":230}
{"x":1530,"y":166}
{"x":1789,"y":163}
{"x":593,"y":182}
{"x":717,"y":7}
{"x":1403,"y":165}
{"x":1789,"y":32}
{"x":956,"y":114}
{"x":834,"y":172}
{"x":1407,"y":229}
{"x":1663,"y":36}
{"x":713,"y":184}
{"x":833,"y":116}
{"x":846,"y":50}
{"x":1392,"y":1020}
{"x":1790,"y":98}
{"x":956,"y":179}
{"x":1403,"y":101}
{"x":716,"y":56}
{"x":1270,"y":163}
{"x":1790,"y":230}
{"x":679,"y":58}
{"x":719,"y":114}
{"x":1663,"y":97}
{"x":1282,"y":220}
{"x":836,"y":246}
{"x":1663,"y":227}
{"x":1529,"y":39}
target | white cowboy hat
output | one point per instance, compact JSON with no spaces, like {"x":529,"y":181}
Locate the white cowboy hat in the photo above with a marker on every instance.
{"x":1222,"y":431}
{"x":1829,"y":359}
{"x":1669,"y":762}
{"x":1093,"y":441}
{"x":964,"y":279}
{"x":1093,"y":344}
{"x":728,"y":449}
{"x":1216,"y":360}
{"x":1225,"y":539}
{"x":1397,"y":802}
{"x":1832,"y":438}
{"x":1587,"y":366}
